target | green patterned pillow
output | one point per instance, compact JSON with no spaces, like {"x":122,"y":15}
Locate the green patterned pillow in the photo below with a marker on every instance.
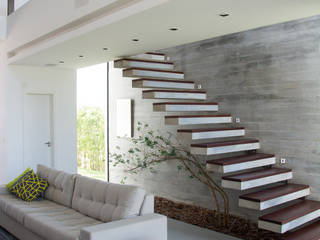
{"x":22,"y":175}
{"x":30,"y":187}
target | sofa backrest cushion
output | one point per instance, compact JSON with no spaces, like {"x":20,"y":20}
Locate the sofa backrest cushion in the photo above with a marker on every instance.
{"x":106,"y":201}
{"x":61,"y":185}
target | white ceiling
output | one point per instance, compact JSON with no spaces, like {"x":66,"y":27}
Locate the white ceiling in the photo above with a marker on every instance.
{"x":196,"y":20}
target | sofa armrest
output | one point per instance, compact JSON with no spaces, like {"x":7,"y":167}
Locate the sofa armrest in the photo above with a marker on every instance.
{"x":151,"y":226}
{"x":3,"y":189}
{"x":147,"y":205}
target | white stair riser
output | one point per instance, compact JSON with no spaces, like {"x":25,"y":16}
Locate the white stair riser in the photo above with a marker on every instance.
{"x":257,"y":182}
{"x":273,"y":227}
{"x":241,"y":166}
{"x":195,"y":121}
{"x":212,"y":134}
{"x":152,"y":74}
{"x":172,"y":95}
{"x":150,"y":57}
{"x":185,"y":108}
{"x":138,"y":64}
{"x":225,"y":149}
{"x":274,"y":202}
{"x":155,"y":84}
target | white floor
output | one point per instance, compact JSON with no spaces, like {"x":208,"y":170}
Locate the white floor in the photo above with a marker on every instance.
{"x":183,"y":231}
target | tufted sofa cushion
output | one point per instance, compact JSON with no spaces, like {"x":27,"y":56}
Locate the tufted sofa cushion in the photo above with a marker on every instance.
{"x":106,"y":201}
{"x":61,"y":185}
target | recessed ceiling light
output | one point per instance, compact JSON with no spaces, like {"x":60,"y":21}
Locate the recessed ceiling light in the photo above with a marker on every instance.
{"x":105,"y":49}
{"x":174,"y":29}
{"x":80,"y":56}
{"x":61,"y":62}
{"x":224,"y":14}
{"x":135,"y":40}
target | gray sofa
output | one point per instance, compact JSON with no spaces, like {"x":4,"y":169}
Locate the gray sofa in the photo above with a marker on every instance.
{"x":77,"y":207}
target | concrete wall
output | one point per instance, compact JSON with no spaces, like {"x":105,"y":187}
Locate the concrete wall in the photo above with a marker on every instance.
{"x":269,"y":78}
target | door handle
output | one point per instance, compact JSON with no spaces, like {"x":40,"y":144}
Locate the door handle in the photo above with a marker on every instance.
{"x":48,"y":143}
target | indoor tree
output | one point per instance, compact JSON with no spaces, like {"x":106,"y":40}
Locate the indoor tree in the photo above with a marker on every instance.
{"x":151,"y":148}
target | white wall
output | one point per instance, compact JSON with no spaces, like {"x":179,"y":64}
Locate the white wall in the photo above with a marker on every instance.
{"x":3,"y":156}
{"x":3,"y":19}
{"x":3,"y":27}
{"x":3,"y":8}
{"x":19,"y":3}
{"x":15,"y":81}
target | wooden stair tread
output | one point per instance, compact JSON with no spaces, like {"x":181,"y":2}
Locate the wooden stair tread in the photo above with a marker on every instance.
{"x":253,"y":175}
{"x":225,"y":143}
{"x":274,"y":192}
{"x":198,"y":116}
{"x":185,"y":103}
{"x":208,"y":130}
{"x":291,"y":213}
{"x":143,"y":60}
{"x":161,"y":80}
{"x":154,"y":53}
{"x":310,"y":232}
{"x":174,"y":91}
{"x":239,"y":159}
{"x":153,"y":70}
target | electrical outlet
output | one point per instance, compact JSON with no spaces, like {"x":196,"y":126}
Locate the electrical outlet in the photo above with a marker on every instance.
{"x":237,"y":120}
{"x":199,"y":86}
{"x":283,"y":160}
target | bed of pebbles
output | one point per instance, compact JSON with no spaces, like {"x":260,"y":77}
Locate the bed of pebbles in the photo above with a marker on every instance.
{"x":210,"y":219}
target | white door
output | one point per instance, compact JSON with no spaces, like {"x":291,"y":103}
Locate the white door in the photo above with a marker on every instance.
{"x":37,"y":130}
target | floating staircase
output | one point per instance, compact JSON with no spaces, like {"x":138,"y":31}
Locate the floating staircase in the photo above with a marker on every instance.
{"x":153,"y":71}
{"x":161,"y":83}
{"x":138,"y":63}
{"x":310,"y":232}
{"x":225,"y":147}
{"x":174,"y":94}
{"x":256,"y":178}
{"x":185,"y":107}
{"x":290,"y":217}
{"x":151,"y":56}
{"x":206,"y":133}
{"x":239,"y":163}
{"x":274,"y":196}
{"x":197,"y":119}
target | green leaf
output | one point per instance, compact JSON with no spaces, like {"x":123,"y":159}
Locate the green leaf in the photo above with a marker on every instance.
{"x":164,"y":153}
{"x":172,"y":153}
